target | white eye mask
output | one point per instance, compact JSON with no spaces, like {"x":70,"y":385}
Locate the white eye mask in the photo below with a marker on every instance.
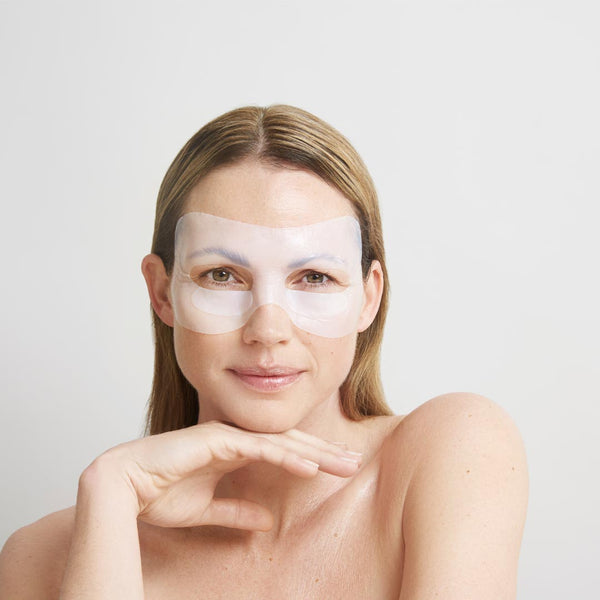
{"x":225,"y":269}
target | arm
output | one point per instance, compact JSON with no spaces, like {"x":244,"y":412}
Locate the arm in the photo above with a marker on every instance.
{"x":168,"y":480}
{"x":104,"y":560}
{"x":465,"y":507}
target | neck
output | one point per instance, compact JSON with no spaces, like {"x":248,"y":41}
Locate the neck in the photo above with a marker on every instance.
{"x":291,"y":499}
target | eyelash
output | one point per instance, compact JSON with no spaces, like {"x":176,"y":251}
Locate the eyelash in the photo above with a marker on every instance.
{"x":326,"y":283}
{"x":328,"y":279}
{"x":213,"y":282}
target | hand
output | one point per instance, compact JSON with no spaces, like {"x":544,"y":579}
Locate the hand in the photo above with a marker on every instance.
{"x":173,"y":475}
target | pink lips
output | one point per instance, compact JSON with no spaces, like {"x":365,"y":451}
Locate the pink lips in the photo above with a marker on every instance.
{"x":267,"y":380}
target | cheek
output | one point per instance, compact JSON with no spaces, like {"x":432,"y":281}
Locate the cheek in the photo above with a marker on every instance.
{"x":196,"y":353}
{"x":336,"y":356}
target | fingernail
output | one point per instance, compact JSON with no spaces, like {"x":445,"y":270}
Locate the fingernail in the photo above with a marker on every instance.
{"x":354,"y":461}
{"x":357,"y":454}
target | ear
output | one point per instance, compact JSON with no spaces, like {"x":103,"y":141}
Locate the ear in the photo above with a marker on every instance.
{"x":373,"y":292}
{"x":158,"y":283}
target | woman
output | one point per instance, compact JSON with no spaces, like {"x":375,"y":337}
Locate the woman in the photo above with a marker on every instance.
{"x":274,"y":468}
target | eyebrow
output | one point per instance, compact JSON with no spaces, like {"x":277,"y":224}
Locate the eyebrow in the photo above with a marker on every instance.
{"x":329,"y":257}
{"x":231,"y":255}
{"x":239,"y":259}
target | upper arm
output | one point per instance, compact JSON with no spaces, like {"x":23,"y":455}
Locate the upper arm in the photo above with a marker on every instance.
{"x":465,"y":506}
{"x":33,"y":558}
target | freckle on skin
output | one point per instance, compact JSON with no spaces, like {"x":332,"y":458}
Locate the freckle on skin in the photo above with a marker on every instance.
{"x":317,"y":580}
{"x":468,"y":470}
{"x":335,"y":535}
{"x":271,"y":558}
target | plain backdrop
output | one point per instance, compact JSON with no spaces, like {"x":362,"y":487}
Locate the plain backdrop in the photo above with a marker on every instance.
{"x":479,"y":122}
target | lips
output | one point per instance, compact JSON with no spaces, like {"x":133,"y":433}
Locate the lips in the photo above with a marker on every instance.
{"x":270,"y":379}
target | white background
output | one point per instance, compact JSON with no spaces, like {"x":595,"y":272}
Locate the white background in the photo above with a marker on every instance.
{"x":479,"y":121}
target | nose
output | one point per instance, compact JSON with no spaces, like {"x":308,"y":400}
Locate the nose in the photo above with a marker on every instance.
{"x":269,"y":324}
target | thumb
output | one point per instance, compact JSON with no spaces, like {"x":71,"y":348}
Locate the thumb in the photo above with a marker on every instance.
{"x":239,"y":514}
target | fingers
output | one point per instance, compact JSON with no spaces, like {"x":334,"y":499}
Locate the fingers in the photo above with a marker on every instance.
{"x":275,"y":451}
{"x":330,"y":458}
{"x":239,"y":514}
{"x":306,"y":450}
{"x":216,"y":448}
{"x":175,"y":474}
{"x":338,"y":448}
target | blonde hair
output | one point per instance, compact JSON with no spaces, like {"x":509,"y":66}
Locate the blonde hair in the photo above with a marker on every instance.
{"x":283,"y":136}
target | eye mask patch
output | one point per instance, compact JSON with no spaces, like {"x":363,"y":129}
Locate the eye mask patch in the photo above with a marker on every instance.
{"x":225,"y":269}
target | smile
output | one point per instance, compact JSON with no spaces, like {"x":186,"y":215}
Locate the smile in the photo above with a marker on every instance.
{"x":267,"y":380}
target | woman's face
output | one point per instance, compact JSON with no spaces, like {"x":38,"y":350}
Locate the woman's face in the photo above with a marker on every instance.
{"x":269,"y":374}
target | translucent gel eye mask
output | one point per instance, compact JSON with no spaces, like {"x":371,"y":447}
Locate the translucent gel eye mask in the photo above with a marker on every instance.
{"x":225,"y":269}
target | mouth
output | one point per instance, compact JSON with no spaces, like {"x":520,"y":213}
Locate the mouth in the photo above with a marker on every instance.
{"x":267,"y":380}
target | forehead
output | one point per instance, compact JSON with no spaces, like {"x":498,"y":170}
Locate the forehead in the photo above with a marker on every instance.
{"x":201,"y":238}
{"x":261,"y":194}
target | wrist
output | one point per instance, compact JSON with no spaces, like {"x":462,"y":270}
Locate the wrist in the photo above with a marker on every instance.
{"x":103,"y":482}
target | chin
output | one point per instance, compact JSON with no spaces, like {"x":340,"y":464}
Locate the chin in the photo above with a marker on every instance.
{"x":267,"y":417}
{"x":265,"y":424}
{"x":268,"y":428}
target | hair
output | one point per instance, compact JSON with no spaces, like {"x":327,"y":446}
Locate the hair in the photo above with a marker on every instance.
{"x":287,"y":137}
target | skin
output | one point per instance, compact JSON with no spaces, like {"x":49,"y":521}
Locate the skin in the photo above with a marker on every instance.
{"x":263,"y":195}
{"x":433,"y":508}
{"x":274,"y":197}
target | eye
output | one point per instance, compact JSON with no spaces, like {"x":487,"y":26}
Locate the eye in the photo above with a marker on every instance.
{"x":317,"y":281}
{"x":316,"y":278}
{"x":220,"y":275}
{"x":320,"y":281}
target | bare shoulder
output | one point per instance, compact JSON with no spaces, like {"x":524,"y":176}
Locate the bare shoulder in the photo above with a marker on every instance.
{"x":457,"y":427}
{"x":460,"y":412}
{"x":452,"y":431}
{"x":33,"y":559}
{"x":458,"y":422}
{"x":464,"y":505}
